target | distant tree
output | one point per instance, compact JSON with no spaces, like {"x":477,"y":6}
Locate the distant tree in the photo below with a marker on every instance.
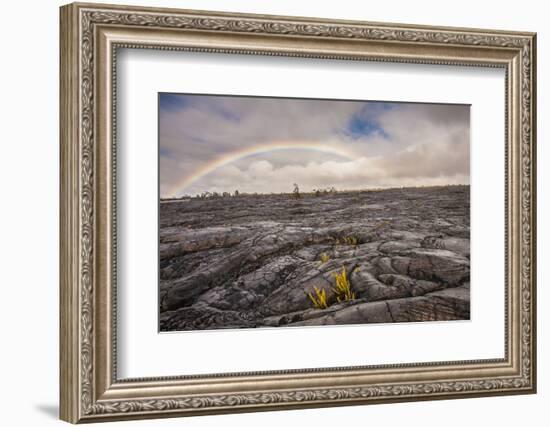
{"x":236,"y":194}
{"x":226,"y":194}
{"x":296,"y":191}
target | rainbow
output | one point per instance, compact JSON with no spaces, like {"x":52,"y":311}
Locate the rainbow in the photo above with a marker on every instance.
{"x":251,"y":151}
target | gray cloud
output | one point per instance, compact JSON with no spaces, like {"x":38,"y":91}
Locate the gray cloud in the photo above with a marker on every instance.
{"x":391,"y":144}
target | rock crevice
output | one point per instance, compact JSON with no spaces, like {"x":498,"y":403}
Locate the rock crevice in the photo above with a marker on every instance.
{"x":250,"y":261}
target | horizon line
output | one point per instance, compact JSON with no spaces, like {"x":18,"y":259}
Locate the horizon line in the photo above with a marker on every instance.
{"x":322,"y":191}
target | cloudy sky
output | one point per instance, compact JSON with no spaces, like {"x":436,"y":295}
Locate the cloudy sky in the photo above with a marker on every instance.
{"x":264,"y":145}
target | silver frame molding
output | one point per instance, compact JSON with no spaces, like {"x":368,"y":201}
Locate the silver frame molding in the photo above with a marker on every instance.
{"x":90,"y":37}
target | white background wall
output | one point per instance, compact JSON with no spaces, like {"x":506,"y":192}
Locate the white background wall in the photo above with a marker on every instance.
{"x":29,"y":170}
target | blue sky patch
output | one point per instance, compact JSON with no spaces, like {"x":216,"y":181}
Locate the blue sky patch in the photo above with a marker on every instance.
{"x":172,"y":102}
{"x":360,"y":127}
{"x":365,"y":122}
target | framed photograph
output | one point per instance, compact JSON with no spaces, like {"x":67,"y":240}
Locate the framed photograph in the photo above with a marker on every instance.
{"x":266,"y":212}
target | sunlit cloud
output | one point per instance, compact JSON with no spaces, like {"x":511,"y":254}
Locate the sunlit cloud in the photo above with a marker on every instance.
{"x":342,"y":144}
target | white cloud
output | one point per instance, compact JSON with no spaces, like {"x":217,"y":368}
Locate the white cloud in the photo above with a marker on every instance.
{"x":423,"y":145}
{"x":419,"y":165}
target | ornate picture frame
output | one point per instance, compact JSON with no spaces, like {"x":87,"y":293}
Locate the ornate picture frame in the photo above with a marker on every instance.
{"x":90,"y":37}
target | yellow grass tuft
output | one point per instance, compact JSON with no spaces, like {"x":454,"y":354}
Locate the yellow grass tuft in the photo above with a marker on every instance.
{"x":319,"y":300}
{"x":346,"y":240}
{"x":351,"y":240}
{"x":342,"y":289}
{"x":324,"y":258}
